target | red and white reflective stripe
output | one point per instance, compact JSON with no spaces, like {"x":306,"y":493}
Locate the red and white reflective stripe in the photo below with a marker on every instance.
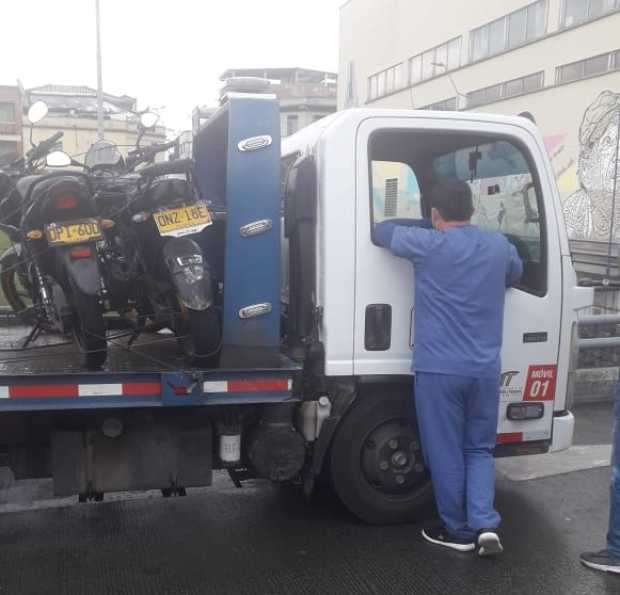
{"x":253,"y":385}
{"x":510,"y":438}
{"x":514,"y":437}
{"x":72,"y":391}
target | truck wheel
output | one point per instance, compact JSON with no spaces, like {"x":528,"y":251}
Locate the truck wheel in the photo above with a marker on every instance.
{"x":376,"y":461}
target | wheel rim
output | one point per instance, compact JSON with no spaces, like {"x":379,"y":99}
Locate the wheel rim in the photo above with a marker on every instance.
{"x":391,"y":458}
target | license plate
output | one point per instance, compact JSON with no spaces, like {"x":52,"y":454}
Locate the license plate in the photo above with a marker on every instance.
{"x":74,"y":232}
{"x":183,"y":221}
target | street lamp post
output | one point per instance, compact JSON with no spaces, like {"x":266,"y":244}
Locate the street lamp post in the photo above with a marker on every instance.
{"x":99,"y":76}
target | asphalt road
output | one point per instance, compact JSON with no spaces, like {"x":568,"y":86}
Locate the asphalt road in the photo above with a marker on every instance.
{"x":264,"y":539}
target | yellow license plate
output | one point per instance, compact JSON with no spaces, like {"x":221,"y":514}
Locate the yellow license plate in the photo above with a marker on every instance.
{"x":183,"y":221}
{"x":75,"y":232}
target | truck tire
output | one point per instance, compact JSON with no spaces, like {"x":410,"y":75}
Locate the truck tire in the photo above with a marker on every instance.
{"x":376,"y":461}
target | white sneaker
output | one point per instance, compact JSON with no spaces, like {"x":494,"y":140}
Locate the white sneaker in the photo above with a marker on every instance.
{"x":488,"y":543}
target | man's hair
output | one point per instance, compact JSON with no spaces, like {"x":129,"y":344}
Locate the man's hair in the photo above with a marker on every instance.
{"x":453,"y":201}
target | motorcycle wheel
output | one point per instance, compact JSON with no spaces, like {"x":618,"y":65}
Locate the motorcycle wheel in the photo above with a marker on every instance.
{"x":200,"y":333}
{"x":89,"y":329}
{"x":10,"y":284}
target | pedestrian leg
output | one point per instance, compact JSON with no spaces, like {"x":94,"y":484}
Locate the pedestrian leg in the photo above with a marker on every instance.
{"x":613,"y":534}
{"x":481,"y":410}
{"x":441,"y":419}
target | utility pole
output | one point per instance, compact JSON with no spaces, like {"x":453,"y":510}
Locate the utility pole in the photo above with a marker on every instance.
{"x":99,"y":77}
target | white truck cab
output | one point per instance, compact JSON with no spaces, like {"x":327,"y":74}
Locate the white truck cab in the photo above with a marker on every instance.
{"x":359,"y":167}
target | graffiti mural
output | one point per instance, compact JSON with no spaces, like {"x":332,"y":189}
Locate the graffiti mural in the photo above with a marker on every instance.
{"x":589,"y":210}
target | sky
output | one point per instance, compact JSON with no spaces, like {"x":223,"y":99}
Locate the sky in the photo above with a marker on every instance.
{"x":164,"y":53}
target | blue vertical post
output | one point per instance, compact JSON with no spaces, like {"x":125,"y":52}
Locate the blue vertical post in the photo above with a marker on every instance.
{"x":252,"y":257}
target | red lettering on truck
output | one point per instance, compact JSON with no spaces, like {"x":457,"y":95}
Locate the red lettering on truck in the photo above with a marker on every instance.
{"x":540,"y":385}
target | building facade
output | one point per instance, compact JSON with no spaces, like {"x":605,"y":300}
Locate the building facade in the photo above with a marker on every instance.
{"x":559,"y":60}
{"x":305,"y":95}
{"x":11,"y":141}
{"x":73,"y":110}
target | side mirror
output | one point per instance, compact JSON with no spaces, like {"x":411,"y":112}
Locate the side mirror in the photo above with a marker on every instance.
{"x":37,"y":111}
{"x":149,"y":119}
{"x":58,"y":159}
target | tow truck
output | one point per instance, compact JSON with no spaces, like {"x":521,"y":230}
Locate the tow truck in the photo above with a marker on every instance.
{"x":314,"y":382}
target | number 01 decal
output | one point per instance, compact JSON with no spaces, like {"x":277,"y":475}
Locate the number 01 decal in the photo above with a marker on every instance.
{"x":540,"y":384}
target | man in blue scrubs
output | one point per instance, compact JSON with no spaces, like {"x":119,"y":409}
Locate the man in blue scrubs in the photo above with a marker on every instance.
{"x":461,"y":275}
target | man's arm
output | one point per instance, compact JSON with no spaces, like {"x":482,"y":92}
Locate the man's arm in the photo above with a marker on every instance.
{"x":514,"y":270}
{"x":413,"y":240}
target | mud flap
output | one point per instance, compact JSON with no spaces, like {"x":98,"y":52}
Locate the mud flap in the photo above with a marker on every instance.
{"x":83,"y":271}
{"x":190,"y":273}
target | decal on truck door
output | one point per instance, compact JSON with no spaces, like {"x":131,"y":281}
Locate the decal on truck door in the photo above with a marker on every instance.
{"x":540,"y":385}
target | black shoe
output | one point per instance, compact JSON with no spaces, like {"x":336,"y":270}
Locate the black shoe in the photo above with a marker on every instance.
{"x":601,"y":561}
{"x":439,"y":535}
{"x":488,"y":543}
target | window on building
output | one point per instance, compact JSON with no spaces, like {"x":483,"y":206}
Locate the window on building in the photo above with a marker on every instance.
{"x":510,"y":31}
{"x":386,"y":81}
{"x":497,"y":36}
{"x":292,"y":124}
{"x":415,"y":70}
{"x":435,"y":61}
{"x":447,"y":105}
{"x":395,"y":191}
{"x":7,"y":111}
{"x":517,"y":28}
{"x":526,"y":84}
{"x":596,"y":65}
{"x":381,"y":84}
{"x":454,"y":53}
{"x":575,"y":12}
{"x":588,"y":67}
{"x":506,"y":200}
{"x":350,"y":84}
{"x":428,"y":68}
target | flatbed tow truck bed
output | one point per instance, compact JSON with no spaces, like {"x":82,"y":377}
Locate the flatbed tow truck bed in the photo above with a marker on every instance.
{"x":47,"y":376}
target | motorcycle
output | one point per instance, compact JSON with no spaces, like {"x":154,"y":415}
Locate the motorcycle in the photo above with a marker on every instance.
{"x":55,"y":231}
{"x":152,"y":252}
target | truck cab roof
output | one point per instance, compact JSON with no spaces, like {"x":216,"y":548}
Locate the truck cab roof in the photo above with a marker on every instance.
{"x":305,"y":140}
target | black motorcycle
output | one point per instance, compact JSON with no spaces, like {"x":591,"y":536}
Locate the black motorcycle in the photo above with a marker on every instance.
{"x":152,"y":259}
{"x":55,"y":230}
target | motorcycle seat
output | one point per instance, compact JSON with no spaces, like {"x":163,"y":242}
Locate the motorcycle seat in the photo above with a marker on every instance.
{"x":23,"y":184}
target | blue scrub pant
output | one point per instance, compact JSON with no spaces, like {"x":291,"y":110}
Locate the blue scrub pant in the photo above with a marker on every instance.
{"x":457,"y":418}
{"x":613,"y":535}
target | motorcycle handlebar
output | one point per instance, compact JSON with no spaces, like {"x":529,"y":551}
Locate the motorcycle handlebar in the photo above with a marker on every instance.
{"x":44,"y":146}
{"x":180,"y":166}
{"x":143,"y":154}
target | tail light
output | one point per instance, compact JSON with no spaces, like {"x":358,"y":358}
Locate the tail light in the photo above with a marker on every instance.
{"x":80,"y":252}
{"x":68,"y":201}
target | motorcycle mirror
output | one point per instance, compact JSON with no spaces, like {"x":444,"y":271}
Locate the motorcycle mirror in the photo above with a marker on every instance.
{"x":37,"y":111}
{"x":149,"y":119}
{"x":58,"y":159}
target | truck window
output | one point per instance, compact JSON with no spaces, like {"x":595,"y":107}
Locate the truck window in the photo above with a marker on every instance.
{"x":506,"y":200}
{"x":395,"y":191}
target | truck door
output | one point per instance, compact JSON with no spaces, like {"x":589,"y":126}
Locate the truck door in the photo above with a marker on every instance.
{"x":505,"y":165}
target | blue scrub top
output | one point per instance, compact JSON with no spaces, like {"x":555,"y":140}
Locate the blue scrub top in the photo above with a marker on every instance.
{"x":461,"y":276}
